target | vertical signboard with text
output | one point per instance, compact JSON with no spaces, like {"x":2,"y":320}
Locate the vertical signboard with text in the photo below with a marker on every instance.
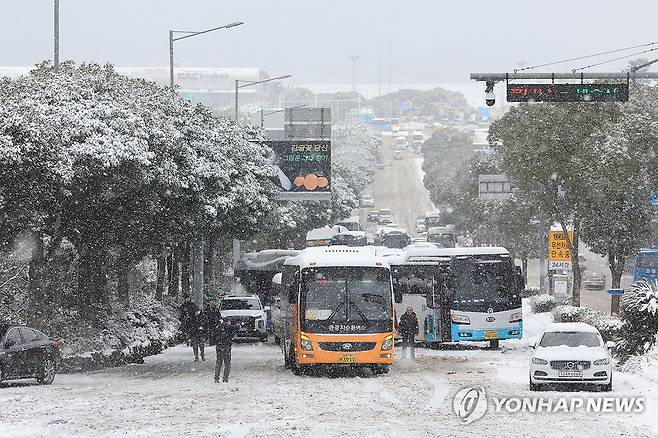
{"x":559,"y":255}
{"x":302,"y":158}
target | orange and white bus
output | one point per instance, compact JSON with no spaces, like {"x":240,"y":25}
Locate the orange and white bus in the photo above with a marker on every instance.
{"x":336,"y":307}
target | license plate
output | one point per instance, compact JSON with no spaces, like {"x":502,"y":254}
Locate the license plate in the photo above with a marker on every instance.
{"x":570,"y":374}
{"x":490,"y":335}
{"x":346,"y":359}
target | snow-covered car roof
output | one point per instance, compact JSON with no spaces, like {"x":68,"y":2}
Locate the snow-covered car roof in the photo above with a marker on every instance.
{"x":338,"y":255}
{"x":570,"y":327}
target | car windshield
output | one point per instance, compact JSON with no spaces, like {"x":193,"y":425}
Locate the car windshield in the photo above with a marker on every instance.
{"x":570,"y":339}
{"x":351,"y":226}
{"x":240,"y":304}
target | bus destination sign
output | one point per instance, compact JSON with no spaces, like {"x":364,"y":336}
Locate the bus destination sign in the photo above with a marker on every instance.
{"x":567,"y":92}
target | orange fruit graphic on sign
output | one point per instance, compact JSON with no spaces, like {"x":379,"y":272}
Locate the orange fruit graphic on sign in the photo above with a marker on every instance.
{"x":311,"y":181}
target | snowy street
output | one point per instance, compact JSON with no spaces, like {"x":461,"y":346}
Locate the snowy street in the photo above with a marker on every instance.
{"x":171,"y":396}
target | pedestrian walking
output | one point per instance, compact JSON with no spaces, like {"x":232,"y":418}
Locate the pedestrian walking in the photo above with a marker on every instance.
{"x":211,"y":318}
{"x":408,"y":329}
{"x":224,"y":332}
{"x":192,"y":326}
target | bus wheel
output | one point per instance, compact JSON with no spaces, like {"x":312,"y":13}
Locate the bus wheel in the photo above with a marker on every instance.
{"x":277,"y":340}
{"x":494,"y":344}
{"x":296,"y":369}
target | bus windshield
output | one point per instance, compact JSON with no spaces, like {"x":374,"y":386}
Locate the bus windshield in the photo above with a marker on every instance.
{"x":647,"y":261}
{"x":346,"y":299}
{"x":485,"y":283}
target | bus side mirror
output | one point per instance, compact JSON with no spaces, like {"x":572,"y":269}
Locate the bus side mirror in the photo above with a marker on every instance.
{"x":397,"y":297}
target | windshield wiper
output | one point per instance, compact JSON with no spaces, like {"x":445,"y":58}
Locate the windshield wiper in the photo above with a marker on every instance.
{"x":340,"y":306}
{"x":361,"y":314}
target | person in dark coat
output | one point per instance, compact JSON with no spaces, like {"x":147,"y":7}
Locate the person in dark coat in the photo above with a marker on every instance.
{"x":211,"y":318}
{"x":408,"y":329}
{"x":224,"y":332}
{"x":192,"y":325}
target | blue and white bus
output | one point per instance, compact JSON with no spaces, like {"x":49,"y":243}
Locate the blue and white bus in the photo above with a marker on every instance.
{"x":469,"y":294}
{"x":646,"y":265}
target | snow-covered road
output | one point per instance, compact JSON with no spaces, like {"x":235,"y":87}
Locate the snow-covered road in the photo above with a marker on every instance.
{"x":170,"y":396}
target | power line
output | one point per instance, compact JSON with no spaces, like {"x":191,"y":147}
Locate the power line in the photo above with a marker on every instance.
{"x":614,"y":59}
{"x":586,"y":56}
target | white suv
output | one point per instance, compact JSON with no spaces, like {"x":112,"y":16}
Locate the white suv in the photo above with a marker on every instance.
{"x":571,"y":353}
{"x":249,"y":312}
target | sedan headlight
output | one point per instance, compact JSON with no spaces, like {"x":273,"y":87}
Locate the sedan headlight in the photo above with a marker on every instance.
{"x":605,"y":361}
{"x":460,"y":319}
{"x":538,"y":361}
{"x":306,"y":344}
{"x":388,"y":343}
{"x":516,"y":317}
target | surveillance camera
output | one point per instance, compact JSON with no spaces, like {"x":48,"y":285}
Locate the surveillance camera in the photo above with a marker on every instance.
{"x":490,"y":98}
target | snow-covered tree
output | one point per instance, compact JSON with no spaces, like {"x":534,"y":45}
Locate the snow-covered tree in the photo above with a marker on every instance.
{"x":639,"y":311}
{"x":121,"y":168}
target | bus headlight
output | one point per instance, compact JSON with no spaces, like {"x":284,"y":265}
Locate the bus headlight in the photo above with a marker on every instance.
{"x":460,"y":319}
{"x":516,"y":317}
{"x":306,"y":343}
{"x":388,"y":342}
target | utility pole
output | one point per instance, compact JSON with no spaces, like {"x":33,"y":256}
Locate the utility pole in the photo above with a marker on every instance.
{"x":379,"y":73}
{"x":56,"y":35}
{"x":354,"y":61}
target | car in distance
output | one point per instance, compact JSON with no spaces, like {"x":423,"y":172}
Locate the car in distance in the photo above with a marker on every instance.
{"x":367,"y":201}
{"x":571,"y":353}
{"x":420,"y":225}
{"x":397,"y":155}
{"x":249,"y":313}
{"x":385,"y":216}
{"x":594,"y":280}
{"x":373,"y":216}
{"x":26,"y":353}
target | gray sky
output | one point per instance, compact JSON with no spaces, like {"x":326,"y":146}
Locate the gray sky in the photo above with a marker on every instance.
{"x":431,"y":40}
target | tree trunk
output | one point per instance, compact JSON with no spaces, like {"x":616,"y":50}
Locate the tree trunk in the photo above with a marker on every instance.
{"x":185,"y":269}
{"x":208,"y":268}
{"x":575,"y":265}
{"x":616,"y":272}
{"x":524,"y":266}
{"x":92,"y":282}
{"x":36,"y":280}
{"x":123,"y":289}
{"x":174,"y":274}
{"x":160,"y":277}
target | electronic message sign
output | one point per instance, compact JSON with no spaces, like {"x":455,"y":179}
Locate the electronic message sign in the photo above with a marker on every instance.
{"x":567,"y":92}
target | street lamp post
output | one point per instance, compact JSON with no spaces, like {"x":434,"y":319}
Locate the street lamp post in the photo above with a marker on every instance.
{"x":263,"y":114}
{"x":197,"y":271}
{"x":56,"y":35}
{"x":249,"y":84}
{"x":189,"y":34}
